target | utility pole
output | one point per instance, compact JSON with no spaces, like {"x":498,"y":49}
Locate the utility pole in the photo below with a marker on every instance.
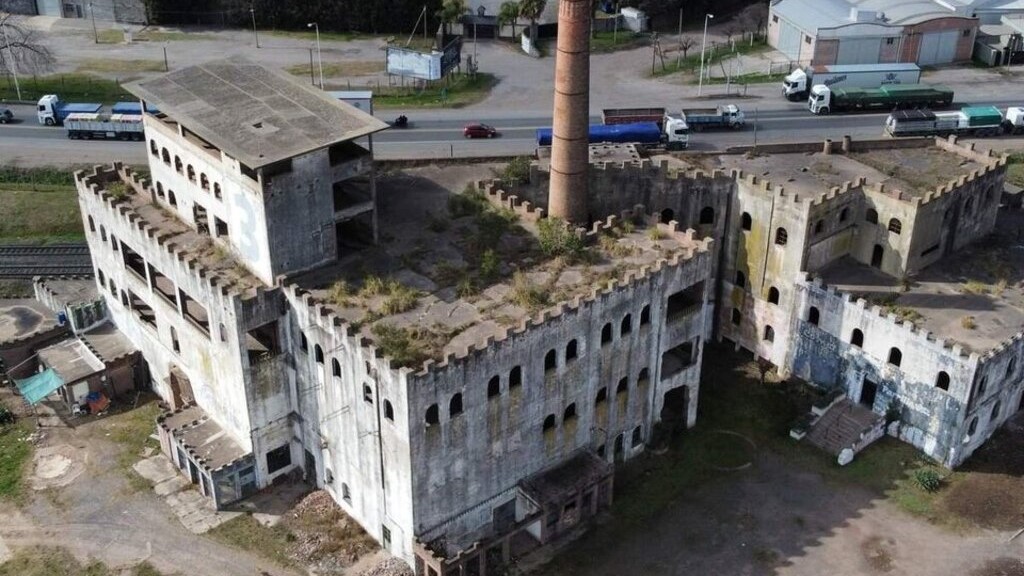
{"x":703,"y":42}
{"x":95,"y":34}
{"x":252,"y":12}
{"x":319,"y":55}
{"x":679,"y":54}
{"x":11,"y":64}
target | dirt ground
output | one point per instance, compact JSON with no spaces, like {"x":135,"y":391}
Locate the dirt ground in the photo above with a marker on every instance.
{"x":793,"y":514}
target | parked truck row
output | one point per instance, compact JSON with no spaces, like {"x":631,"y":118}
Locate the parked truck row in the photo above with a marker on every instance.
{"x":970,"y":121}
{"x":797,"y":85}
{"x":51,"y":110}
{"x":825,"y":100}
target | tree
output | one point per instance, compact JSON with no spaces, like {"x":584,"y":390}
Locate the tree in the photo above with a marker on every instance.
{"x":450,"y":12}
{"x":22,"y":49}
{"x":685,"y":43}
{"x":531,"y":10}
{"x":753,"y":18}
{"x":731,"y":29}
{"x":508,"y":14}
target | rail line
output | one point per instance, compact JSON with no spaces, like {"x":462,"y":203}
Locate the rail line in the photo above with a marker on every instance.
{"x":22,"y":261}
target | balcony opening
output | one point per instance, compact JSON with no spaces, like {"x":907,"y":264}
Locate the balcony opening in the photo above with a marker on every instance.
{"x":195,"y":312}
{"x":676,"y":359}
{"x":201,"y":218}
{"x":141,"y":310}
{"x":221,"y":227}
{"x":344,"y":152}
{"x":163,"y":286}
{"x":133,"y":261}
{"x":685,"y":302}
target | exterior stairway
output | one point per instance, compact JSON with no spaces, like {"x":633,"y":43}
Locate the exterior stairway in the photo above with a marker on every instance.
{"x":846,"y":425}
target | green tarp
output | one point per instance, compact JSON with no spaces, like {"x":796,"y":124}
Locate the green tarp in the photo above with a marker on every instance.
{"x":35,"y":388}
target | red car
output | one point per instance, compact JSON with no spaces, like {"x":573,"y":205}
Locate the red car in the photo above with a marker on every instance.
{"x":479,"y":131}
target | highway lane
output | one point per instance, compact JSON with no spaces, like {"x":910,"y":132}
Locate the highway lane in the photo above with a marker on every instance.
{"x":30,"y":142}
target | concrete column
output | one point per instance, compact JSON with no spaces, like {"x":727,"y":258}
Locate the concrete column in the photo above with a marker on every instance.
{"x":567,"y":195}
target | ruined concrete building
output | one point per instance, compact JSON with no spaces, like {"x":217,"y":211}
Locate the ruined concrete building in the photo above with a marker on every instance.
{"x":464,"y":386}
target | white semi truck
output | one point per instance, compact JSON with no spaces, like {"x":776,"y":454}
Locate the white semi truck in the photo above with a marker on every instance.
{"x":798,"y":84}
{"x":102,"y":126}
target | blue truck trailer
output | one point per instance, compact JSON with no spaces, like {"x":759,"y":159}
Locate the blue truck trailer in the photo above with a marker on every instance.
{"x":53,"y":111}
{"x":645,"y":133}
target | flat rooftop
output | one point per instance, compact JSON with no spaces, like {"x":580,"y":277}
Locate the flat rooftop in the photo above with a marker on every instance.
{"x":23,"y":319}
{"x":974,"y":298}
{"x":107,"y":342}
{"x":71,"y":291}
{"x":203,"y":436}
{"x":912,"y":171}
{"x":450,"y":272}
{"x":256,"y":115}
{"x":71,"y":360}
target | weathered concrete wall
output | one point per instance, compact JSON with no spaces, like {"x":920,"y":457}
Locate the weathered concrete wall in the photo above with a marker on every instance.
{"x":345,"y":424}
{"x":470,"y":458}
{"x":931,"y":418}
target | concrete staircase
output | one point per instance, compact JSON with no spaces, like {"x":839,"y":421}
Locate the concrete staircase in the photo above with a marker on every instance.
{"x":846,"y":425}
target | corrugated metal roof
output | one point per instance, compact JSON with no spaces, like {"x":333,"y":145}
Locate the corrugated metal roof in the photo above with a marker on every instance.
{"x":810,"y":15}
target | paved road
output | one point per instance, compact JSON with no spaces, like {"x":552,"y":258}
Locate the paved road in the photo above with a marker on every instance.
{"x":437,"y":134}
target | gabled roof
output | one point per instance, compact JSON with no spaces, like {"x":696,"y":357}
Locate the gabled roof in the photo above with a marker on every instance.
{"x":256,"y":115}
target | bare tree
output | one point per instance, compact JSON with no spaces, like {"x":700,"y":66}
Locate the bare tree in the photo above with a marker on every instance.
{"x":753,"y":18}
{"x":22,"y":48}
{"x":685,"y":43}
{"x":731,"y":29}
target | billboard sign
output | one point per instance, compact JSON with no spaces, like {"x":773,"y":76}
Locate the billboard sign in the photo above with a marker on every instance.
{"x":432,"y":65}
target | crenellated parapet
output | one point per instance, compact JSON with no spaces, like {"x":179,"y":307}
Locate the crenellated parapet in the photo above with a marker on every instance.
{"x":228,"y":282}
{"x":498,"y":197}
{"x":909,"y":331}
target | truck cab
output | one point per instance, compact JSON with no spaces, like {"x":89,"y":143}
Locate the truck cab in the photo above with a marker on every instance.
{"x":676,"y":132}
{"x":1013,"y":122}
{"x":47,"y":109}
{"x":820,"y":100}
{"x":794,"y":86}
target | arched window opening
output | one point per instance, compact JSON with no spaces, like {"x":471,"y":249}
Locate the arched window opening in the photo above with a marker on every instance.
{"x":345,"y":494}
{"x":606,"y":333}
{"x":389,"y":410}
{"x":216,"y":190}
{"x":741,"y":279}
{"x":191,"y":174}
{"x":995,"y":411}
{"x":819,"y":226}
{"x":455,"y":405}
{"x":92,"y":224}
{"x":318,"y":354}
{"x":602,"y":396}
{"x":570,"y":413}
{"x":737,"y":317}
{"x":813,"y":316}
{"x":844,"y":214}
{"x":623,"y":386}
{"x":335,"y":368}
{"x":494,"y":387}
{"x":942,"y":380}
{"x":570,"y":350}
{"x":367,"y":393}
{"x":627,"y":325}
{"x":171,"y":199}
{"x":515,"y":378}
{"x":667,"y":215}
{"x":165,"y":156}
{"x":550,"y":361}
{"x":781,"y":237}
{"x":645,"y":315}
{"x":549,"y":422}
{"x":769,"y":334}
{"x":773,"y":295}
{"x":895,"y":226}
{"x":178,"y":166}
{"x":707,"y":215}
{"x":746,"y":222}
{"x":871,"y":216}
{"x":433,"y":415}
{"x":895,"y":356}
{"x":644,"y":376}
{"x":153,"y":149}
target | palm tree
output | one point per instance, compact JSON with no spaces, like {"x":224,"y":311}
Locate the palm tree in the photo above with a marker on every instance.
{"x":450,"y":12}
{"x":532,"y":9}
{"x":508,"y":14}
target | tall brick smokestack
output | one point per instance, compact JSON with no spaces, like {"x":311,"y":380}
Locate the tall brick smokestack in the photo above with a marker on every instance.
{"x":567,"y":196}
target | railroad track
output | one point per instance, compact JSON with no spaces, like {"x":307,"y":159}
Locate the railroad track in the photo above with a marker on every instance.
{"x":19,"y":261}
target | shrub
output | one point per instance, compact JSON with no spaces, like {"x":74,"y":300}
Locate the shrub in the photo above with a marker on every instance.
{"x":6,"y":416}
{"x":490,"y":266}
{"x":526,"y":294}
{"x":340,"y":293}
{"x":517,"y":170}
{"x":399,"y":299}
{"x":655,"y":234}
{"x":117,"y":189}
{"x":557,"y":239}
{"x":968,"y":322}
{"x":373,"y":286}
{"x":928,"y":480}
{"x":399,"y":344}
{"x":469,"y":203}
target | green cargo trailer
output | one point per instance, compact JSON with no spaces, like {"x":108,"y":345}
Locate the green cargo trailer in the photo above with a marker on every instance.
{"x":824,"y":100}
{"x":982,"y":116}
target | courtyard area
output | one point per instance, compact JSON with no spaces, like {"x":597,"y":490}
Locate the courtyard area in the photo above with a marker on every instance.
{"x":735,"y":495}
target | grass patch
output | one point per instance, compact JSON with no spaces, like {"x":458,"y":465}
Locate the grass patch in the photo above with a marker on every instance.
{"x":401,"y":345}
{"x":621,"y":40}
{"x":16,"y":289}
{"x":117,"y":36}
{"x":132,"y":430}
{"x":71,"y":87}
{"x":751,"y":78}
{"x":1015,"y":169}
{"x":458,"y":91}
{"x":247,"y":534}
{"x":111,"y":66}
{"x":48,"y":214}
{"x":339,"y":69}
{"x":712,"y":56}
{"x":310,"y":35}
{"x":15,"y":453}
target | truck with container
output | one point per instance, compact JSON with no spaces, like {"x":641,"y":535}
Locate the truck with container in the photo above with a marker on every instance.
{"x":93,"y":126}
{"x":612,"y":116}
{"x":725,"y":116}
{"x":825,"y":100}
{"x":673,"y":134}
{"x":970,"y":121}
{"x":797,"y":85}
{"x":52,"y":111}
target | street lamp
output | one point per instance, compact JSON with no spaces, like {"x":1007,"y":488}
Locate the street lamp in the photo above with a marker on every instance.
{"x":703,"y":42}
{"x":95,"y":35}
{"x":11,"y":64}
{"x":252,"y":12}
{"x":319,"y":58}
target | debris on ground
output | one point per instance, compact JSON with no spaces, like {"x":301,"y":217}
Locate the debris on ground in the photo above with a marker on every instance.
{"x":325,"y":538}
{"x":389,"y":567}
